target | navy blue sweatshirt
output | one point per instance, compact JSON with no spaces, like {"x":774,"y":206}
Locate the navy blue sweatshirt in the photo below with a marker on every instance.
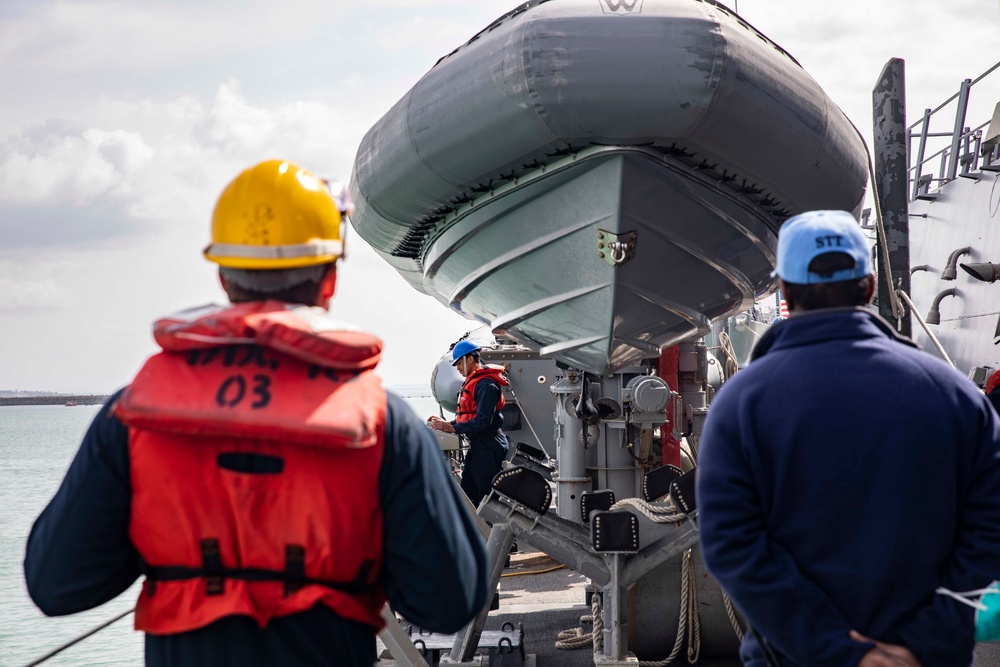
{"x":434,"y":570}
{"x":843,"y":477}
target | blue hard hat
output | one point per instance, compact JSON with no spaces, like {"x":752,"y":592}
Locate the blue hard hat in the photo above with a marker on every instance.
{"x":461,"y":349}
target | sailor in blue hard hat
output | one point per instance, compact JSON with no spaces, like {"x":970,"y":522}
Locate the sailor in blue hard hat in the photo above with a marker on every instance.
{"x":479,"y":419}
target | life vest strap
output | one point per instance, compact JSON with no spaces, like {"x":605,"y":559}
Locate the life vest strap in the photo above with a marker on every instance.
{"x":295,"y":568}
{"x":293,"y":575}
{"x":211,"y":562}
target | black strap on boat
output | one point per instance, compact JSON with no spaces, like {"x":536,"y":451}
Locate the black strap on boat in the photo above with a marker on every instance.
{"x":293,"y":575}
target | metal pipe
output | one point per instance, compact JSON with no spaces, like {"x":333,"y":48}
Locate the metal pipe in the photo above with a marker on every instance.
{"x":920,"y":267}
{"x":497,"y":548}
{"x":930,"y":334}
{"x":947,"y":101}
{"x":987,"y":272}
{"x":950,"y":268}
{"x":571,"y":477}
{"x":920,"y":153}
{"x":934,"y":315}
{"x":956,"y":140}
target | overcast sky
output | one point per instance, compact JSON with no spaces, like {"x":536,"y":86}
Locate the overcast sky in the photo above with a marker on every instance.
{"x":122,"y":121}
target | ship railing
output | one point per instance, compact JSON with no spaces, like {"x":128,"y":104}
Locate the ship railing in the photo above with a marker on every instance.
{"x":963,"y":150}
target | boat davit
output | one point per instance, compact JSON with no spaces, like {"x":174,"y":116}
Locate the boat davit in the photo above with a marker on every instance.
{"x":598,"y":179}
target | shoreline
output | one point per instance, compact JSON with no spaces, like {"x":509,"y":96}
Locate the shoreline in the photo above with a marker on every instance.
{"x":62,"y":399}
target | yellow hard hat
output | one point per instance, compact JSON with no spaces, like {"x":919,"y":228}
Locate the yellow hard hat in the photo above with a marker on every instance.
{"x":275,"y":215}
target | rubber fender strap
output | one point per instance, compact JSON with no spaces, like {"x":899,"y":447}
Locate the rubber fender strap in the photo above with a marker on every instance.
{"x":211,"y":563}
{"x":524,"y":486}
{"x":656,"y":483}
{"x":682,"y":492}
{"x":595,"y":501}
{"x":614,"y":532}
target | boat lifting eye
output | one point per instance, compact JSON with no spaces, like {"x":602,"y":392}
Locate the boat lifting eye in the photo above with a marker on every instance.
{"x":616,"y":249}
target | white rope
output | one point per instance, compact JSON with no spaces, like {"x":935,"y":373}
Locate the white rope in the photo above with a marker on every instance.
{"x":731,"y":613}
{"x":658,"y":513}
{"x":732,"y":365}
{"x":897,"y":307}
{"x":694,"y":618}
{"x":597,"y":614}
{"x":527,"y":421}
{"x":688,"y":622}
{"x":575,"y":638}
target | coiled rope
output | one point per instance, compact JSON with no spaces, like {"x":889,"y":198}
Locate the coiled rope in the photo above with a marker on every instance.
{"x":688,"y":622}
{"x":657,"y":513}
{"x":731,"y":365}
{"x":575,"y":638}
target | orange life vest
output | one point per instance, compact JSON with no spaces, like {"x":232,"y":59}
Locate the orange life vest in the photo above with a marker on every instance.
{"x":467,"y":399}
{"x":255,"y":442}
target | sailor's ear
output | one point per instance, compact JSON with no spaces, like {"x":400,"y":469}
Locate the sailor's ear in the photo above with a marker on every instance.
{"x":870,"y":290}
{"x":789,"y":299}
{"x":328,"y":285}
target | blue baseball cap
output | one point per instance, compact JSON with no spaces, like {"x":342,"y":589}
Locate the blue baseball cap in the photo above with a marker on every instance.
{"x":461,"y":349}
{"x":806,"y":236}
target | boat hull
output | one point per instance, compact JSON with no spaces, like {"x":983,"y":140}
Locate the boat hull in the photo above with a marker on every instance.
{"x":502,"y":149}
{"x":530,"y":262}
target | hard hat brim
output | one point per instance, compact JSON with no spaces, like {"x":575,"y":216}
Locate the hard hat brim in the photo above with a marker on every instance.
{"x":273,"y":257}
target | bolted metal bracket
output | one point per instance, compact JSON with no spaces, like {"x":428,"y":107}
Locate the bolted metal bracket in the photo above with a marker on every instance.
{"x":616,"y":249}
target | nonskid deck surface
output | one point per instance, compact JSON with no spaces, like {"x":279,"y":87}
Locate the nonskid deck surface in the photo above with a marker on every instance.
{"x":546,"y":604}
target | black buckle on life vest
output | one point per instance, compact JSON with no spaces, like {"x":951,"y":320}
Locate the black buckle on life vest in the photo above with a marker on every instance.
{"x":211,"y":563}
{"x":295,"y":568}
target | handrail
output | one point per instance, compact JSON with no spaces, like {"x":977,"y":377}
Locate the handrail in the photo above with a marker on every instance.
{"x":952,"y":98}
{"x":952,"y":153}
{"x":948,"y":148}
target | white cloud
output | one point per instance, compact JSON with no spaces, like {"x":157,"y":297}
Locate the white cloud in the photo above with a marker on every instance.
{"x":121,"y":35}
{"x":169,"y":164}
{"x":57,"y":165}
{"x":27,"y":296}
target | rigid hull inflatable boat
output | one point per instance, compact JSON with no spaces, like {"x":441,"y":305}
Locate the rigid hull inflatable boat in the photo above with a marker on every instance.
{"x":600,"y":179}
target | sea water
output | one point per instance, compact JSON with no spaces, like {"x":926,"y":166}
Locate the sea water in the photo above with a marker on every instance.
{"x":37,"y":444}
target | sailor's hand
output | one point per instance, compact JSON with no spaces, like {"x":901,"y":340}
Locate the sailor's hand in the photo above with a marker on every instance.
{"x":885,"y":655}
{"x":438,"y":424}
